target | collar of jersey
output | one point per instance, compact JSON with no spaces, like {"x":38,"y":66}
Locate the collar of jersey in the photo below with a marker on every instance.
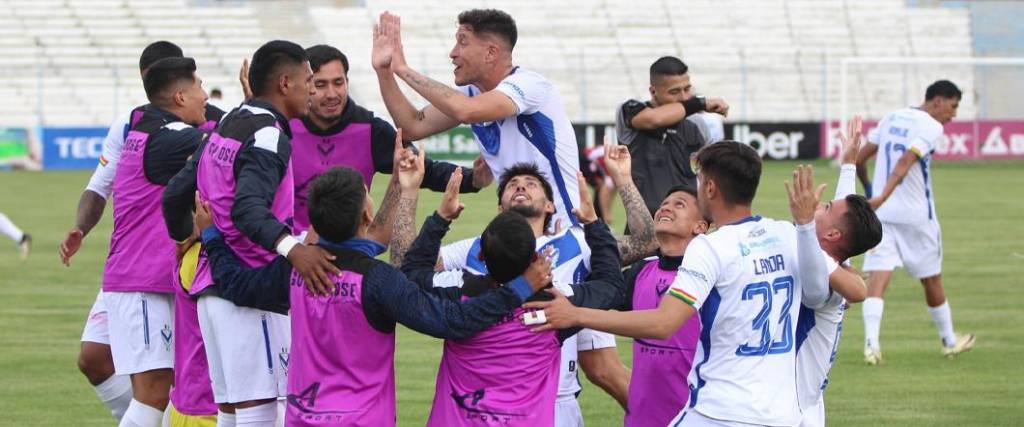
{"x":366,"y":246}
{"x":752,"y":218}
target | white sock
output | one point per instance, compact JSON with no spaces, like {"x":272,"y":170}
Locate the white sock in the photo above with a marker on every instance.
{"x":257,"y":416}
{"x":141,"y":415}
{"x":225,"y":419}
{"x":116,"y":394}
{"x":10,"y":230}
{"x":282,"y":409}
{"x":872,"y":309}
{"x":944,"y":322}
{"x":166,"y":421}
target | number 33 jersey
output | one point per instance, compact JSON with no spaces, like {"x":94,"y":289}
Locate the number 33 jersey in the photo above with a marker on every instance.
{"x":744,"y":280}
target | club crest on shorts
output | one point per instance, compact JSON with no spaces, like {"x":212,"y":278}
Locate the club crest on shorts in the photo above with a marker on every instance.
{"x":166,"y":333}
{"x":283,"y":357}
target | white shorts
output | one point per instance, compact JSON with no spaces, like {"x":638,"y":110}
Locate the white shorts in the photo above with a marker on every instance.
{"x":815,"y":415}
{"x":96,"y":325}
{"x":568,"y":413}
{"x":691,"y":418}
{"x":247,"y":350}
{"x":589,"y":339}
{"x":141,"y":331}
{"x":917,"y":246}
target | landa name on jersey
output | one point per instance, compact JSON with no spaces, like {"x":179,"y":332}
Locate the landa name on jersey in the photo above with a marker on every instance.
{"x":769,"y":265}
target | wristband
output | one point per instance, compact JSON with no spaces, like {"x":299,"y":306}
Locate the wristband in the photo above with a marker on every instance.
{"x":694,"y":105}
{"x":531,"y":318}
{"x":286,"y":245}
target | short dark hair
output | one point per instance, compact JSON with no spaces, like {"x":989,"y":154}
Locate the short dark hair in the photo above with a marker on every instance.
{"x":270,"y":60}
{"x":164,"y":74}
{"x":943,"y":88}
{"x":216,"y":92}
{"x":860,"y":227}
{"x":527,"y":169}
{"x":735,"y":167}
{"x":336,"y":200}
{"x":508,"y":246}
{"x":322,"y":54}
{"x":156,"y":51}
{"x":668,"y":66}
{"x":491,"y":21}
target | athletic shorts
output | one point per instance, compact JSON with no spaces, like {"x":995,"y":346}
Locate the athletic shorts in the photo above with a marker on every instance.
{"x":567,"y":413}
{"x":918,"y":247}
{"x":96,"y":325}
{"x":589,"y":339}
{"x":691,"y":418}
{"x":247,"y":350}
{"x":815,"y":415}
{"x":141,"y":331}
{"x":181,"y":420}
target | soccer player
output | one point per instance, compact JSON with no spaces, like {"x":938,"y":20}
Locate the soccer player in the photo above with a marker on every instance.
{"x":902,"y":190}
{"x":23,"y":239}
{"x":747,"y":279}
{"x":525,"y":189}
{"x":516,"y":114}
{"x":659,"y":134}
{"x":137,"y":280}
{"x":488,"y":377}
{"x":94,"y":360}
{"x":653,"y":401}
{"x":356,"y":387}
{"x":846,"y":227}
{"x":244,"y":170}
{"x":337,"y":132}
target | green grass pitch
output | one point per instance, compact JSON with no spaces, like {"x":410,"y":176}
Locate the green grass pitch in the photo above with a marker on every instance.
{"x":43,"y":306}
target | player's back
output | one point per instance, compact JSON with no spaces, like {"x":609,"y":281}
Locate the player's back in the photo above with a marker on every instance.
{"x":902,"y":130}
{"x":745,"y":355}
{"x":246,"y":127}
{"x":504,"y":375}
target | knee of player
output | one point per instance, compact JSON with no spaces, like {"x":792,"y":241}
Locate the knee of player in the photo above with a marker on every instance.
{"x":95,"y":365}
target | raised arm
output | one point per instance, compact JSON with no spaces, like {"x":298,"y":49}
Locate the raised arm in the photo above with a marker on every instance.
{"x":803,"y":200}
{"x":850,"y":148}
{"x":643,"y":117}
{"x":605,"y":287}
{"x":640,"y":241}
{"x":417,"y":124}
{"x":394,"y":223}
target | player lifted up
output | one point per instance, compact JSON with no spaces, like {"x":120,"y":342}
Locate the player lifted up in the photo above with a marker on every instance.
{"x":516,"y":114}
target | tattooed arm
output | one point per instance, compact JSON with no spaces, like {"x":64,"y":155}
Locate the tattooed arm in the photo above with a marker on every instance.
{"x":408,"y":174}
{"x":640,"y":242}
{"x":405,"y":229}
{"x":384,"y":221}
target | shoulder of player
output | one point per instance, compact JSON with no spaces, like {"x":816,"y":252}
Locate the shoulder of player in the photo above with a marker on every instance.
{"x":521,"y":80}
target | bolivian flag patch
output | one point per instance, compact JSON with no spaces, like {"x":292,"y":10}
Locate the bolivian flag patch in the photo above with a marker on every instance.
{"x":687,"y":298}
{"x":103,"y":161}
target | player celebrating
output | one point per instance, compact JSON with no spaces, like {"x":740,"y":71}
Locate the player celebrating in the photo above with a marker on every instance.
{"x":664,"y":133}
{"x":488,"y":377}
{"x":244,"y":170}
{"x":903,"y":198}
{"x":525,"y":189}
{"x":363,"y":304}
{"x":847,"y":227}
{"x":337,"y":132}
{"x":747,"y":279}
{"x":516,"y":115}
{"x":137,"y":279}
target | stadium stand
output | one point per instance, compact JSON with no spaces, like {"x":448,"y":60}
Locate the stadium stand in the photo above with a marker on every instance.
{"x":74,"y":62}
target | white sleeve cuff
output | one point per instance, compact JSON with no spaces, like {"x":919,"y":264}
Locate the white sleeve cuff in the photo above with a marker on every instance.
{"x":286,"y":245}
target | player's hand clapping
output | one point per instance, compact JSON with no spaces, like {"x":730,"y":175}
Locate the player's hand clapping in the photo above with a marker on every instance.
{"x":585,"y":213}
{"x":451,"y":207}
{"x":803,"y":198}
{"x":409,"y":164}
{"x":387,"y":44}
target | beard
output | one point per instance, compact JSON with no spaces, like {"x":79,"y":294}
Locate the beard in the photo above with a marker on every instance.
{"x":527,"y":211}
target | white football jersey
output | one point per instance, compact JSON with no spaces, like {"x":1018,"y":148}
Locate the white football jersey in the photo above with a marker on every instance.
{"x":102,"y":180}
{"x":907,"y":129}
{"x":539,"y":133}
{"x":744,"y":280}
{"x":571,"y":264}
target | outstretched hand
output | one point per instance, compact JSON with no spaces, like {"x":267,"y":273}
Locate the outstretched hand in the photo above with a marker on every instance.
{"x":409,"y":164}
{"x":803,"y":198}
{"x":387,"y":43}
{"x":618,"y":162}
{"x":851,"y":141}
{"x":451,"y":207}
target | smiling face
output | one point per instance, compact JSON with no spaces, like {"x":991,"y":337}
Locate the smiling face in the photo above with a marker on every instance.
{"x":525,"y":194}
{"x":470,"y":55}
{"x":331,"y":92}
{"x":679,"y":216}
